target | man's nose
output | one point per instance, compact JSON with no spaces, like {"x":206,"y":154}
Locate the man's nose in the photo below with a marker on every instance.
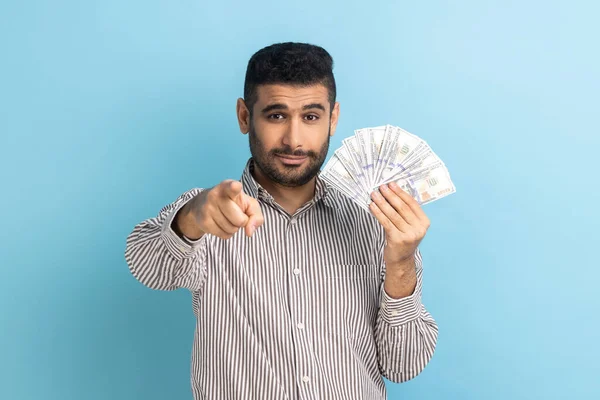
{"x":292,"y":136}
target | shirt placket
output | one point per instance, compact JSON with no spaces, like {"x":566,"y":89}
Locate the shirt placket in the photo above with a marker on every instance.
{"x":296,"y":274}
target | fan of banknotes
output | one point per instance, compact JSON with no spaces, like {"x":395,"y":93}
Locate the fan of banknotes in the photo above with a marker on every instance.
{"x":384,"y":154}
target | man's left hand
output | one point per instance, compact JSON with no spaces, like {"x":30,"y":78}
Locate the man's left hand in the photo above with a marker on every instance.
{"x":405,"y":225}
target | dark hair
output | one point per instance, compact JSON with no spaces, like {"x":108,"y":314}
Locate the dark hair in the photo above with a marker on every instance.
{"x":291,"y":63}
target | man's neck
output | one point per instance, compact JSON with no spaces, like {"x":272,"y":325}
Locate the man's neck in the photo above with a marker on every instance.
{"x":290,"y":198}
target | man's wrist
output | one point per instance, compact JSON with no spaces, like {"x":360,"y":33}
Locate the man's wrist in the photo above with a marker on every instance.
{"x":400,"y":279}
{"x":184,"y":224}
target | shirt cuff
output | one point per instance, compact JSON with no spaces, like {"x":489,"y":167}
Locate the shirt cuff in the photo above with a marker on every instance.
{"x":180,"y":248}
{"x":398,"y":312}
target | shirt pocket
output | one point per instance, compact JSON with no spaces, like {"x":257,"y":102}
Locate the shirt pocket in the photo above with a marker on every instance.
{"x":351,"y":297}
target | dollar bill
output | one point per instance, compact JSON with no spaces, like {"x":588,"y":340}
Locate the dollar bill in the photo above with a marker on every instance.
{"x":423,"y":159}
{"x":364,"y":144}
{"x":337,"y":175}
{"x":427,"y":184}
{"x":352,"y":167}
{"x":401,"y":147}
{"x":357,"y":154}
{"x":378,"y":135}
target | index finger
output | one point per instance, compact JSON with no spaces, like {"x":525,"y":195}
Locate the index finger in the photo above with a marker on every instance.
{"x":232,"y":189}
{"x":254,"y":213}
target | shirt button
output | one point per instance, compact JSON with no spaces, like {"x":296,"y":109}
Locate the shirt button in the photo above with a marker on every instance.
{"x":300,"y":325}
{"x":305,"y":379}
{"x":293,"y":221}
{"x":296,"y":271}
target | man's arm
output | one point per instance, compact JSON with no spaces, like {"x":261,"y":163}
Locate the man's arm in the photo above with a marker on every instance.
{"x":406,"y":334}
{"x":169,"y":251}
{"x":160,"y":258}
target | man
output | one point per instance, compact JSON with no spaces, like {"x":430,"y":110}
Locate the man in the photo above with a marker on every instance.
{"x":297,"y":291}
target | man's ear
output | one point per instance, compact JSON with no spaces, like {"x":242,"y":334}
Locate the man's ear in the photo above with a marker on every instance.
{"x":243,"y":116}
{"x":335,"y":114}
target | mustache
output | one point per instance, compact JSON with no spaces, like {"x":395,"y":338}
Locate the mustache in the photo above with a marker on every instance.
{"x":287,"y":151}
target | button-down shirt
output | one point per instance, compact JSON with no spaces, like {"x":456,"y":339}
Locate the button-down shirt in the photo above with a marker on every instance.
{"x":298,"y":310}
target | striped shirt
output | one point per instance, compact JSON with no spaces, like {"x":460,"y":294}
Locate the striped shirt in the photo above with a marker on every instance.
{"x":298,"y":310}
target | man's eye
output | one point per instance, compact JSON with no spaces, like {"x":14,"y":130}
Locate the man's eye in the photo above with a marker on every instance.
{"x":276,"y":116}
{"x":312,"y":117}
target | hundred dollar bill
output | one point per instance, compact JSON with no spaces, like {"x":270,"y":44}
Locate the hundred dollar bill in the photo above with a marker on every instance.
{"x":355,"y":151}
{"x":428,"y":185}
{"x":378,"y":135}
{"x":415,"y":173}
{"x":366,"y":148}
{"x":372,"y":153}
{"x":384,"y":153}
{"x":352,"y":167}
{"x":400,"y":147}
{"x":337,"y":175}
{"x":356,"y":197}
{"x":423,"y":159}
{"x":353,"y":192}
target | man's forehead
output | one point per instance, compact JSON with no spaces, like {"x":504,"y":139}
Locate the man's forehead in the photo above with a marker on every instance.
{"x":292,"y":94}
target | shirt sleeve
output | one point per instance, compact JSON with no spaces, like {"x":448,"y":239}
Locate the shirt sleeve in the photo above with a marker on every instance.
{"x":160,"y":259}
{"x":406,"y":333}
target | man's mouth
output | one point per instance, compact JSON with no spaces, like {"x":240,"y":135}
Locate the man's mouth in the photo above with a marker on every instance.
{"x":291,"y":160}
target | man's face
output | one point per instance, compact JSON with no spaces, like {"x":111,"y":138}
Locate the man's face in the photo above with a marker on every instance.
{"x":289,"y":132}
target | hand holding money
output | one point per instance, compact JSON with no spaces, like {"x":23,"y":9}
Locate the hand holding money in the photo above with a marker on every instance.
{"x":220,"y":211}
{"x":404,"y":222}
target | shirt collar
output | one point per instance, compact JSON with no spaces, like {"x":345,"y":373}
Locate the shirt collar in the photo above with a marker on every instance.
{"x":254,"y":189}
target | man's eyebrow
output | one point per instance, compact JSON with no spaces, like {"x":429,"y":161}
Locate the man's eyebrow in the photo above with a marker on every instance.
{"x":281,"y":106}
{"x":314,"y":105}
{"x":276,"y":106}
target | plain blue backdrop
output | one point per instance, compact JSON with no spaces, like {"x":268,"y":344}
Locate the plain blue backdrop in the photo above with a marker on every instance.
{"x":110,"y":109}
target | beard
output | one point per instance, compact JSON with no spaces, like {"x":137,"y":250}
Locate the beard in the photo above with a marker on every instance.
{"x":291,"y":175}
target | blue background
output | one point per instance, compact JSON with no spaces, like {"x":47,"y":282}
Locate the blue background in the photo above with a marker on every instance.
{"x":110,"y":109}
